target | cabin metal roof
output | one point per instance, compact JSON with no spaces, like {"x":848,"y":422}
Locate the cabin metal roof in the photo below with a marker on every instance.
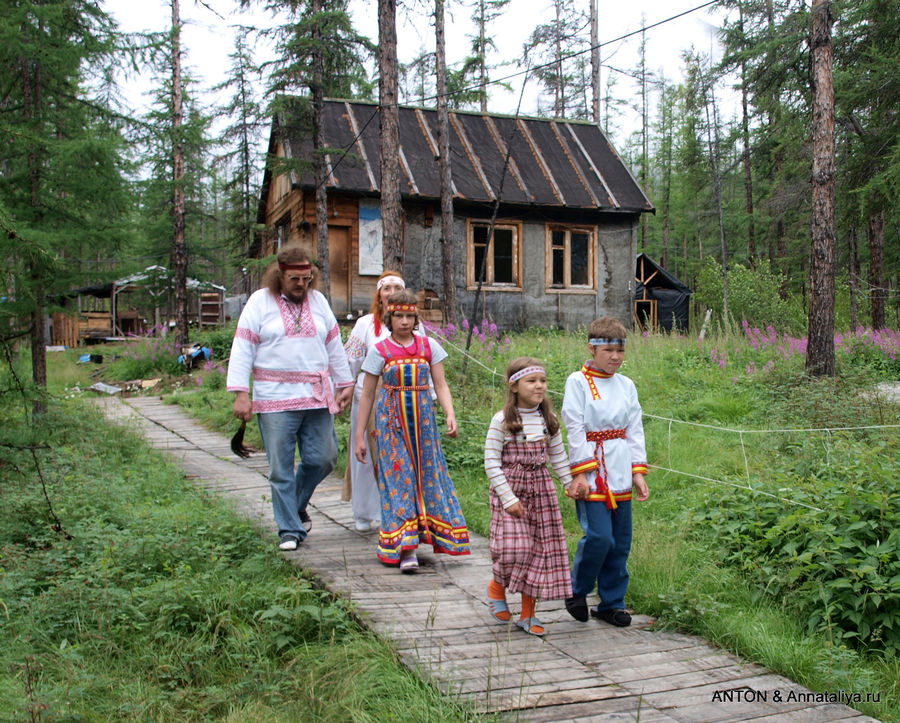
{"x":552,"y":162}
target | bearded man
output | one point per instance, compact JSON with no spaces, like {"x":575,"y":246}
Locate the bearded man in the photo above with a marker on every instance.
{"x":288,"y":338}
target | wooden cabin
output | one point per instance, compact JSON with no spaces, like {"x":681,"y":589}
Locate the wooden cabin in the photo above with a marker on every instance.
{"x":563,"y":241}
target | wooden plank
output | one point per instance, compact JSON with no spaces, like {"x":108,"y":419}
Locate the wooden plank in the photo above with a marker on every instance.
{"x":828,"y":713}
{"x":616,"y":709}
{"x":700,"y":703}
{"x":442,"y":628}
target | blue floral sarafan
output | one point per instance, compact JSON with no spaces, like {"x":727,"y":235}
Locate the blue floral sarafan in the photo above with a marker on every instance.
{"x":418,"y":500}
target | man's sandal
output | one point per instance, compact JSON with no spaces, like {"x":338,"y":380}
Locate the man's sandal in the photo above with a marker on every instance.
{"x":532,"y":626}
{"x":498,"y":607}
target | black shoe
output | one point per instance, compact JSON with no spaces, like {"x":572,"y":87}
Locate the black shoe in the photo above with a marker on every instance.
{"x":304,"y":518}
{"x":619,"y":618}
{"x":577,"y":607}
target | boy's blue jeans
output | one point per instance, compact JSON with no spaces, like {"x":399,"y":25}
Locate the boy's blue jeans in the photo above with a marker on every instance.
{"x":602,"y":555}
{"x":312,"y":432}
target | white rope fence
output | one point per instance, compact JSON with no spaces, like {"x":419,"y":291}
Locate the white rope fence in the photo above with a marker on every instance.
{"x":672,"y":421}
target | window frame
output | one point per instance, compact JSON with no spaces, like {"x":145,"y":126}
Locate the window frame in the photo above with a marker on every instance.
{"x":283,"y":230}
{"x":568,"y":286}
{"x":472,"y":272}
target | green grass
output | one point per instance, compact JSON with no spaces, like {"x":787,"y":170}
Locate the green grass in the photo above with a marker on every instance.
{"x":162,"y":604}
{"x":683,"y":561}
{"x":677,"y":568}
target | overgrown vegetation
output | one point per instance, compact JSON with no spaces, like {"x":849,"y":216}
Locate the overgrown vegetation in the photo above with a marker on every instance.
{"x":754,"y":294}
{"x":768,"y":538}
{"x":771,"y":540}
{"x":156,"y":602}
{"x":778,"y":545}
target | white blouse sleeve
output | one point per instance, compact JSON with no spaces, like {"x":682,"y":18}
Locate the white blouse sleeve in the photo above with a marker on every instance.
{"x":356,"y":345}
{"x":493,"y":449}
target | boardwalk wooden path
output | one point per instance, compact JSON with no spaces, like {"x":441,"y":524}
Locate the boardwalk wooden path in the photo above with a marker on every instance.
{"x":440,"y":623}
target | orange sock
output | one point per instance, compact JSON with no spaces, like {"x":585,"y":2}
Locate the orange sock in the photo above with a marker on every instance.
{"x":528,"y":605}
{"x":496,"y":591}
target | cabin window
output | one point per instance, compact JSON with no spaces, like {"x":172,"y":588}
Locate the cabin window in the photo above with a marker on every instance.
{"x":496,"y":264}
{"x":570,"y":257}
{"x":282,"y":231}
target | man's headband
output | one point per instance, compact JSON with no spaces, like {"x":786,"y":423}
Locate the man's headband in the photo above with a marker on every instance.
{"x":402,"y":307}
{"x":527,"y":371}
{"x":606,"y":342}
{"x":295,"y":267}
{"x":393,"y":280}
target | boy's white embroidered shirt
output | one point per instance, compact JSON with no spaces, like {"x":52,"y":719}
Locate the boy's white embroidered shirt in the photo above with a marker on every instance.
{"x":617,"y":408}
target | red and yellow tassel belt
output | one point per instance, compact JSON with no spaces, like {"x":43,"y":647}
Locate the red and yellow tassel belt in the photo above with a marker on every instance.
{"x":604,"y":493}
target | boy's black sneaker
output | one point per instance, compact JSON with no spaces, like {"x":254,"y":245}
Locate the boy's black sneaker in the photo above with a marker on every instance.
{"x":577,"y":607}
{"x":619,"y":618}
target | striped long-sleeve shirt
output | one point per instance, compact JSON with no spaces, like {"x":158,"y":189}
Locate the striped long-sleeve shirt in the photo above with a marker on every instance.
{"x":533,"y":429}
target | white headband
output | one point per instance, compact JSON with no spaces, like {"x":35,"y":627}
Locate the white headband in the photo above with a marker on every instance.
{"x":606,"y":342}
{"x":395,"y":280}
{"x":527,"y":371}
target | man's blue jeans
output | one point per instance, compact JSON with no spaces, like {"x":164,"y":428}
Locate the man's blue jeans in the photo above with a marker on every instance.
{"x":312,"y":432}
{"x":602,"y":554}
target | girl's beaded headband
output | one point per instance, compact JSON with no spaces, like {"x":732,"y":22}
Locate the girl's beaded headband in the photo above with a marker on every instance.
{"x":402,"y":307}
{"x":527,"y":371}
{"x":393,"y":280}
{"x":606,"y":342}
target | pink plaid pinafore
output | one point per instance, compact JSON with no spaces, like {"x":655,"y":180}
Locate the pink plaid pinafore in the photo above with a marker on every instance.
{"x":529,"y":554}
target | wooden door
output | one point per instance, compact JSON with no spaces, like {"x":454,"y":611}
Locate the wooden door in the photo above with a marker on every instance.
{"x":339,"y":264}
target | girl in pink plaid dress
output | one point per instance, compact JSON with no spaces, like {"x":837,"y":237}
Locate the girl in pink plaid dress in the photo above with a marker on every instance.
{"x":528,"y":543}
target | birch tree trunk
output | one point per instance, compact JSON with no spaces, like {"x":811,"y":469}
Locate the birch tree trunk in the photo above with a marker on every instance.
{"x":645,"y":134}
{"x":820,"y":349}
{"x":595,"y":62}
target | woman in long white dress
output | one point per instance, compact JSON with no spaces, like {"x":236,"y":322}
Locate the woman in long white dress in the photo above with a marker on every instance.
{"x":367,"y":332}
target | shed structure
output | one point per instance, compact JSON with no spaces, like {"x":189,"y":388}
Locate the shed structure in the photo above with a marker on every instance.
{"x":562,"y":245}
{"x":112,"y":319}
{"x":661,"y":301}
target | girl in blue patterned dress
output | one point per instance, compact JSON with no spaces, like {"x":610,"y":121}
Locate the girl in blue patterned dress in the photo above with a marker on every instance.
{"x":418,"y":501}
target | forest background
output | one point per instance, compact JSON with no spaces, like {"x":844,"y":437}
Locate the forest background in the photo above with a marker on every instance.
{"x":89,"y":190}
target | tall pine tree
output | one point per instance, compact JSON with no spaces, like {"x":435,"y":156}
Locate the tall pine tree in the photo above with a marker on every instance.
{"x":61,"y":179}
